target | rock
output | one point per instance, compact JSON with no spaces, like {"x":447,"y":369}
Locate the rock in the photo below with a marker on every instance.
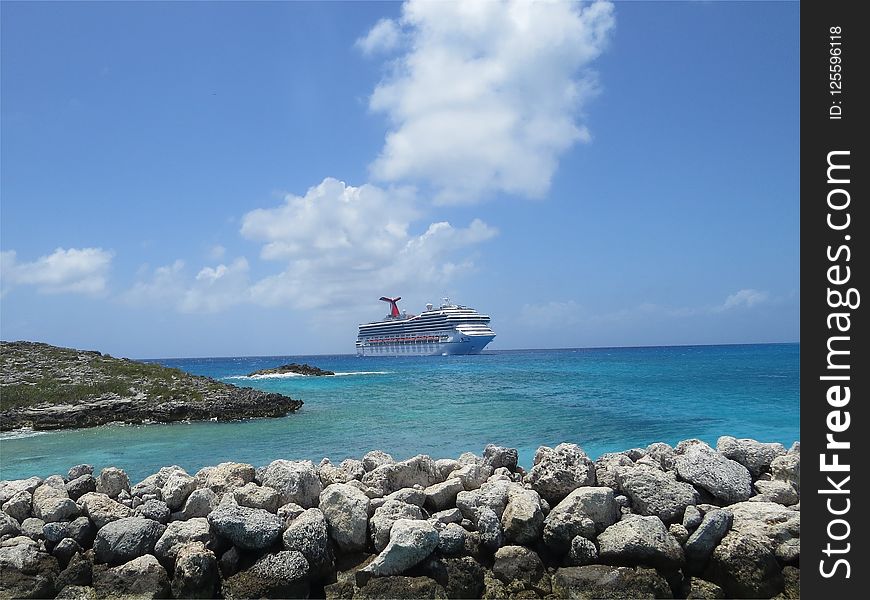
{"x":408,"y":495}
{"x":460,"y":577}
{"x":680,"y":533}
{"x":663,"y":454}
{"x":196,"y":573}
{"x":199,"y":504}
{"x":654,"y":492}
{"x":451,"y":515}
{"x":77,"y":592}
{"x":303,"y":369}
{"x":755,"y":456}
{"x":112,"y":482}
{"x":603,"y":581}
{"x":523,"y":520}
{"x":227,"y":476}
{"x":596,"y":503}
{"x":102,"y":510}
{"x":18,"y":506}
{"x":440,"y":496}
{"x":9,"y":488}
{"x":181,"y":533}
{"x":142,"y":577}
{"x":446,"y":466}
{"x":400,"y":588}
{"x":780,"y":492}
{"x":254,"y":496}
{"x":451,"y":539}
{"x":490,"y":529}
{"x":374,"y":459}
{"x":79,"y":571}
{"x":385,"y":516}
{"x":280,"y":575}
{"x":125,"y":539}
{"x":78,"y":471}
{"x":560,"y":470}
{"x":560,"y":528}
{"x":792,"y":579}
{"x":65,"y":550}
{"x":308,"y":533}
{"x":745,"y":567}
{"x":410,"y":543}
{"x":701,"y":588}
{"x":788,"y":468}
{"x":583,"y":552}
{"x":54,"y":532}
{"x":247,"y":528}
{"x":156,"y":510}
{"x":640,"y":541}
{"x":692,"y":518}
{"x":32,"y":528}
{"x":518,"y":563}
{"x":348,"y":470}
{"x":51,"y":503}
{"x":25,"y":571}
{"x":387,"y":478}
{"x":78,"y":487}
{"x":472,"y":475}
{"x":9,"y":525}
{"x":492,"y":495}
{"x":289,"y":511}
{"x":347,"y":511}
{"x":498,"y":456}
{"x":773,"y":524}
{"x":606,"y":467}
{"x":726,"y":480}
{"x":82,"y":531}
{"x":295,"y":481}
{"x":177,"y":488}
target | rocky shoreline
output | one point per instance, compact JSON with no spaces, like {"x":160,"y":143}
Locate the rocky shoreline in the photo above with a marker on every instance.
{"x":294,"y":368}
{"x":44,"y":387}
{"x":656,"y":522}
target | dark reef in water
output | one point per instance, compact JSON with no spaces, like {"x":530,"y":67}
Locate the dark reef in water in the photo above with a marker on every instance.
{"x":46,"y":387}
{"x":303,"y":369}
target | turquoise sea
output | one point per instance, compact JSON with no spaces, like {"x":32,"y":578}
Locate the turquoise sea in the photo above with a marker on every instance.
{"x":602,"y":399}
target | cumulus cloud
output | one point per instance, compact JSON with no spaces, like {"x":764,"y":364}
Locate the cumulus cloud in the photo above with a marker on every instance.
{"x":211,"y":290}
{"x":342,"y":243}
{"x":73,"y":270}
{"x":746,"y":298}
{"x":487,"y":95}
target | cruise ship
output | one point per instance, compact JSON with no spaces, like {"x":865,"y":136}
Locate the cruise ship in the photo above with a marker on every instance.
{"x":448,"y":329}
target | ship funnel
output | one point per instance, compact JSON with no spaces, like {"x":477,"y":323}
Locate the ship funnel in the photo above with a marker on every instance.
{"x":394,"y":308}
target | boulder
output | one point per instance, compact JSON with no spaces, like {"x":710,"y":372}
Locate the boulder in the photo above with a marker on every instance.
{"x":196,"y":572}
{"x":51,"y":503}
{"x":560,"y":470}
{"x":472,"y":475}
{"x":78,"y":471}
{"x":446,"y":466}
{"x":523,"y":519}
{"x":26,"y":571}
{"x":77,"y":592}
{"x":499,"y":456}
{"x":596,"y":503}
{"x":518,"y":563}
{"x":387,"y":478}
{"x":125,"y":539}
{"x":492,"y":495}
{"x":200,"y":503}
{"x":9,"y":488}
{"x":102,"y":510}
{"x":112,"y":482}
{"x":460,"y":577}
{"x":561,"y":527}
{"x":692,"y":518}
{"x":440,"y":496}
{"x":663,"y":454}
{"x":65,"y":550}
{"x":583,"y":552}
{"x":156,"y":510}
{"x":654,"y":492}
{"x":451,"y":539}
{"x":696,"y":588}
{"x":254,"y":496}
{"x":640,"y":541}
{"x":225,"y":477}
{"x":451,"y":515}
{"x":82,"y":531}
{"x":79,"y":571}
{"x":181,"y":533}
{"x":400,"y":588}
{"x":606,"y":467}
{"x":280,"y":575}
{"x":19,"y":505}
{"x":347,"y":511}
{"x":780,"y":492}
{"x":142,"y":577}
{"x":489,"y":528}
{"x":409,"y":495}
{"x":745,"y":567}
{"x":788,"y":468}
{"x":604,"y":581}
{"x":295,"y":481}
{"x":9,"y":526}
{"x":32,"y":528}
{"x":247,"y":528}
{"x":709,"y":533}
{"x":78,"y":487}
{"x":773,"y":524}
{"x":177,"y":488}
{"x":308,"y":533}
{"x":374,"y":459}
{"x":726,"y":480}
{"x":289,"y":511}
{"x":410,"y":543}
{"x":755,"y":456}
{"x":385,"y":516}
{"x":55,"y":532}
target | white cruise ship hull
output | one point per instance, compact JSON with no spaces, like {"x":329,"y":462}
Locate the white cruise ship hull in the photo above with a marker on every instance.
{"x":455,"y":346}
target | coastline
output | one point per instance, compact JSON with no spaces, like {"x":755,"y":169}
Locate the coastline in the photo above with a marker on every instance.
{"x":659,"y":521}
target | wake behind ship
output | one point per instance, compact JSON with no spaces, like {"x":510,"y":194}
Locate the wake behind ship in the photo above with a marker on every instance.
{"x":448,"y":329}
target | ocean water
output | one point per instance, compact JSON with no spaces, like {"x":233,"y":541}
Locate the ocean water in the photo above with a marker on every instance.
{"x":602,"y":399}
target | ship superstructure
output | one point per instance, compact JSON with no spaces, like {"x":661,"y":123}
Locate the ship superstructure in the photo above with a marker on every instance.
{"x":448,"y":329}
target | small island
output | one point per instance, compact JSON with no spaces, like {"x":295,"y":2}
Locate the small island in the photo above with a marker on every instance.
{"x":45,"y":387}
{"x":303,"y":369}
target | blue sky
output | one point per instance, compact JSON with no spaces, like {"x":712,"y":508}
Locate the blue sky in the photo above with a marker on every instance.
{"x":206,"y":179}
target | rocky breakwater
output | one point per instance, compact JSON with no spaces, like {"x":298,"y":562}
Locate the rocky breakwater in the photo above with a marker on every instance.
{"x":655,"y":522}
{"x":46,"y":387}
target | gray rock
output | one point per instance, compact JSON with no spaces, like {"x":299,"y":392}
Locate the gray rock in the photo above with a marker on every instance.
{"x":606,"y":467}
{"x":347,"y":511}
{"x":225,"y":477}
{"x":451,"y":539}
{"x":771,"y":523}
{"x":583,"y":552}
{"x":65,"y":550}
{"x":440,"y":496}
{"x":472,"y":475}
{"x":196,"y":573}
{"x":374,"y":459}
{"x":596,"y":503}
{"x":696,"y":588}
{"x":745,"y":567}
{"x":78,"y":487}
{"x":385,"y":516}
{"x":499,"y":456}
{"x":254,"y":496}
{"x":280,"y":575}
{"x":19,"y":505}
{"x":523,"y":519}
{"x":77,"y":592}
{"x":410,"y":543}
{"x":26,"y":570}
{"x":560,"y":470}
{"x":492,"y":495}
{"x":247,"y":528}
{"x":308,"y":533}
{"x":102,"y":510}
{"x":518,"y":563}
{"x":709,"y":533}
{"x":200,"y":503}
{"x":9,"y":525}
{"x":51,"y":503}
{"x":9,"y":488}
{"x":142,"y":577}
{"x":55,"y":532}
{"x":387,"y":478}
{"x":755,"y":456}
{"x":727,"y":480}
{"x":692,"y":518}
{"x":82,"y":531}
{"x":680,"y":533}
{"x":79,"y":470}
{"x":32,"y":528}
{"x":156,"y":510}
{"x":604,"y":581}
{"x":663,"y":454}
{"x":125,"y":539}
{"x":112,"y":482}
{"x":451,"y":515}
{"x":179,"y":534}
{"x":409,"y":495}
{"x":780,"y":492}
{"x":78,"y":572}
{"x":490,"y":529}
{"x":177,"y":488}
{"x":654,"y":492}
{"x":398,"y":587}
{"x":289,"y":511}
{"x":446,"y":466}
{"x":229,"y":562}
{"x":788,"y":468}
{"x":295,"y":481}
{"x":640,"y":541}
{"x":561,"y":527}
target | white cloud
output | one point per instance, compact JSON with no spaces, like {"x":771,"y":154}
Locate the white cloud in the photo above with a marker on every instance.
{"x":211,"y":290}
{"x":383,"y":37}
{"x":746,"y":298}
{"x":73,"y":270}
{"x":342,"y":244}
{"x":217,"y":252}
{"x":487,"y":95}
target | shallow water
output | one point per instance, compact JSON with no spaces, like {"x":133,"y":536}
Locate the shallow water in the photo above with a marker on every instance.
{"x":602,"y":399}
